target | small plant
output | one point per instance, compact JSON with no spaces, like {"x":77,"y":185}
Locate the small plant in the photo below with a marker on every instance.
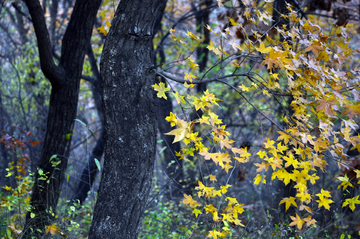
{"x":15,"y":201}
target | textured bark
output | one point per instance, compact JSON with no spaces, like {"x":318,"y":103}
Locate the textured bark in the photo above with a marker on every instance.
{"x":130,"y":121}
{"x":65,"y":81}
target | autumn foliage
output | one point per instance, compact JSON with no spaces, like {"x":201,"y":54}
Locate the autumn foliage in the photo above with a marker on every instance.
{"x":311,"y":65}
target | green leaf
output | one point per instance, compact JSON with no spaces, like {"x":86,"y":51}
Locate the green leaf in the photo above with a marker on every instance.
{"x":8,"y":232}
{"x":67,"y":136}
{"x":32,"y":215}
{"x":80,"y":122}
{"x":67,"y":178}
{"x":53,"y":157}
{"x":160,"y":141}
{"x":162,"y":150}
{"x":172,"y":161}
{"x":97,"y":164}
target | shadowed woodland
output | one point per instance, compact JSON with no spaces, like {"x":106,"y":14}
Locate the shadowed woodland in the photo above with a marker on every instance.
{"x":179,"y":119}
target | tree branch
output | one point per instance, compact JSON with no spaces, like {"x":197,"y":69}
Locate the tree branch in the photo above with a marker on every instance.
{"x":77,"y":35}
{"x":48,"y":67}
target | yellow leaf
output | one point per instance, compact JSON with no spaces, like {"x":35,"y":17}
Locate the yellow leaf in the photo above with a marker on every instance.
{"x":197,"y":212}
{"x":209,"y":28}
{"x":244,"y":88}
{"x":259,"y":179}
{"x":108,"y":23}
{"x":232,"y":21}
{"x":351,"y":202}
{"x":179,"y":98}
{"x":189,"y":200}
{"x":211,"y":47}
{"x":213,"y":178}
{"x":193,"y":36}
{"x":284,"y":136}
{"x":297,"y":221}
{"x":161,"y":90}
{"x":172,"y":119}
{"x":102,"y":30}
{"x":310,"y":221}
{"x":288,"y":201}
{"x":189,"y":76}
{"x":178,"y":133}
{"x":8,"y":188}
{"x":263,"y":49}
{"x":52,"y":229}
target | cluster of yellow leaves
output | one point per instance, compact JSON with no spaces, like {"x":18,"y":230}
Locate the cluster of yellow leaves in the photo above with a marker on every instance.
{"x":309,"y":69}
{"x":184,"y":133}
{"x":312,"y":83}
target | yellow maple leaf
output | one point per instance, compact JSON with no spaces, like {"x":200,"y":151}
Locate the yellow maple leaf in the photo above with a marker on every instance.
{"x":179,"y":98}
{"x":192,"y":64}
{"x":223,"y":51}
{"x":259,"y":179}
{"x":224,"y":188}
{"x":108,"y":23}
{"x":189,"y":76}
{"x":297,"y":221}
{"x":284,"y":136}
{"x":310,"y":221}
{"x":345,"y":182}
{"x":52,"y":229}
{"x":102,"y":30}
{"x":324,"y":200}
{"x":8,"y":188}
{"x":263,"y":49}
{"x":161,"y":90}
{"x":288,"y":201}
{"x":244,"y":88}
{"x":181,"y":132}
{"x":172,"y":119}
{"x":197,"y":212}
{"x":212,"y":178}
{"x":189,"y":200}
{"x":351,"y":202}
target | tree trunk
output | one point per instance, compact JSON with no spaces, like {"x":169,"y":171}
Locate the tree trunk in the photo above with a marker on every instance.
{"x":65,"y":81}
{"x":130,"y":122}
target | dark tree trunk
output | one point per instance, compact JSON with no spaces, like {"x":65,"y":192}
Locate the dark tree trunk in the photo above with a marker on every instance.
{"x":65,"y":81}
{"x":130,"y":121}
{"x":202,"y":19}
{"x":278,"y":20}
